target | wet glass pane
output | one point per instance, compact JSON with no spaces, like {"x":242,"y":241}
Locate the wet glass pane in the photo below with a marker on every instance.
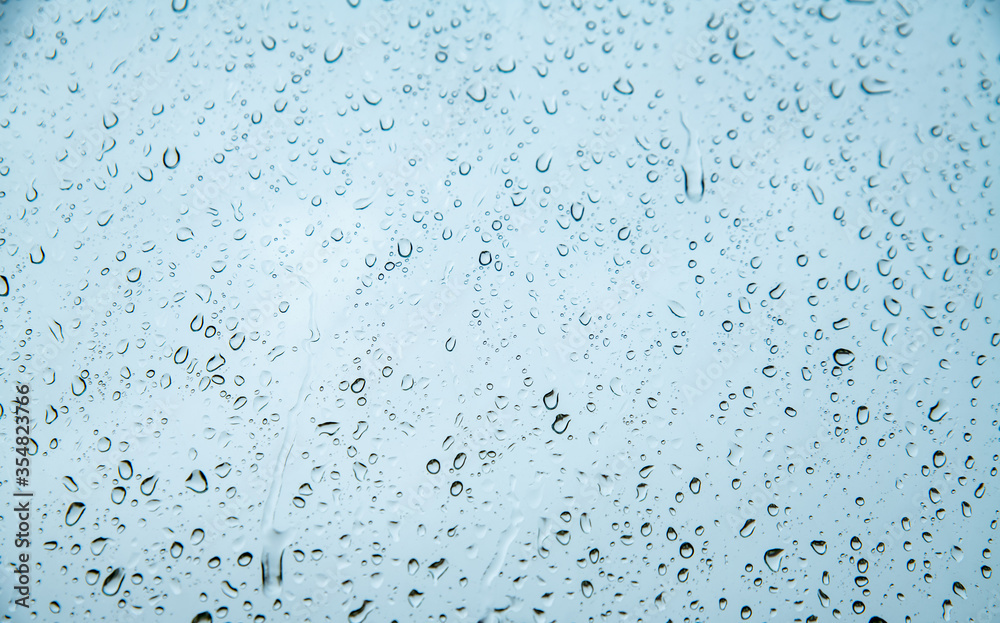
{"x":499,"y":311}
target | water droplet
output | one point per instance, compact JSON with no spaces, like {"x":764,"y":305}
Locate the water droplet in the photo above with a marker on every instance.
{"x":938,"y":411}
{"x":113,"y":583}
{"x":624,"y":86}
{"x":171,"y":158}
{"x":97,"y":546}
{"x":74,"y":513}
{"x":561,"y":423}
{"x":959,"y":589}
{"x":543,"y":162}
{"x":843,"y":357}
{"x":197,"y":481}
{"x":742,"y":50}
{"x":962,"y":255}
{"x":477,"y":92}
{"x":852,"y":280}
{"x":694,"y":175}
{"x":147,"y":486}
{"x":772,"y":558}
{"x":875,"y":86}
{"x":415,"y":598}
{"x":676,"y":309}
{"x":615,"y":385}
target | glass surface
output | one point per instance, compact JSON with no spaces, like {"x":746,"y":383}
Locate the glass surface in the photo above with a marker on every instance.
{"x":500,"y":311}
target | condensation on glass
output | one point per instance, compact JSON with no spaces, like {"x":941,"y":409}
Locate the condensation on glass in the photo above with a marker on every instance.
{"x":500,"y":311}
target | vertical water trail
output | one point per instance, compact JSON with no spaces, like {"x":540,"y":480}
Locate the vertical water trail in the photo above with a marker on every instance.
{"x":274,"y":540}
{"x":694,"y":174}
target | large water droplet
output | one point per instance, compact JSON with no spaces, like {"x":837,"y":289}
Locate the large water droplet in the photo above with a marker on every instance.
{"x":113,"y":583}
{"x":843,"y":357}
{"x":171,"y":158}
{"x":772,"y":558}
{"x":333,"y":53}
{"x":694,"y":175}
{"x":938,"y":411}
{"x":74,"y":513}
